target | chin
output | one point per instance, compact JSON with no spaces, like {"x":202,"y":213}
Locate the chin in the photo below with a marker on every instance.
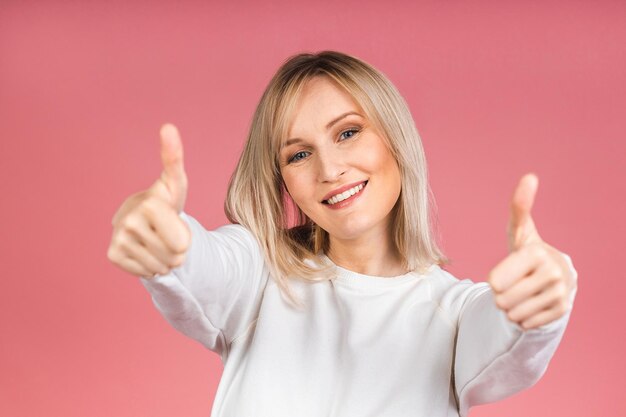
{"x":350,"y":231}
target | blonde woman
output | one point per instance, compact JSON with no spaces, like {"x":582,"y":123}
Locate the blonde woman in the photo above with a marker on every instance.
{"x":327,"y":296}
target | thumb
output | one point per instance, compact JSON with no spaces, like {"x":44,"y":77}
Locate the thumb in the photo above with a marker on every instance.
{"x":521,"y":228}
{"x":173,"y":175}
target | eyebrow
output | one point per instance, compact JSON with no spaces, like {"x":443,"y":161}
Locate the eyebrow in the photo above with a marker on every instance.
{"x":328,"y":126}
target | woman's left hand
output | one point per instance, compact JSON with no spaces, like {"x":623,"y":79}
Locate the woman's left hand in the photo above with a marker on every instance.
{"x":534,"y":283}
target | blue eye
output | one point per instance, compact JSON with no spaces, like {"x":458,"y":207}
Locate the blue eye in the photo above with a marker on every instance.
{"x":353,"y":131}
{"x":298,"y":156}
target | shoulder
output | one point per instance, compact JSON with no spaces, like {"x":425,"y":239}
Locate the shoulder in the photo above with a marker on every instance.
{"x":450,"y":292}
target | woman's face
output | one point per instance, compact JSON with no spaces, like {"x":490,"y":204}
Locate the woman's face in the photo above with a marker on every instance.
{"x":336,"y":167}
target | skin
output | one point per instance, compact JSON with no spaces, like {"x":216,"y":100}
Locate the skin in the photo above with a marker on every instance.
{"x":148,"y":235}
{"x":322,"y":160}
{"x":532,"y":285}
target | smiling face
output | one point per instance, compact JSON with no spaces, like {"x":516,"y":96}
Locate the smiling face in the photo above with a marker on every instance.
{"x":336,"y":166}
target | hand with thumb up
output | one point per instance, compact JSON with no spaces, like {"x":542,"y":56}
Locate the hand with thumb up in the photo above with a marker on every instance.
{"x":149,"y":237}
{"x":534,"y":283}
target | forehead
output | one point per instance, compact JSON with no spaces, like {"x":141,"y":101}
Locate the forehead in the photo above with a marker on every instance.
{"x":320,"y":100}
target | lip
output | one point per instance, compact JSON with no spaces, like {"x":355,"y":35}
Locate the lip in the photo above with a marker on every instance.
{"x":342,"y":189}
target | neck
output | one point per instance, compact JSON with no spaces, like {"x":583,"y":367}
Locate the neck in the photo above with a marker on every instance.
{"x":372,"y":254}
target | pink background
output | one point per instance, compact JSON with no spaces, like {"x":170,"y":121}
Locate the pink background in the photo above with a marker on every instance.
{"x":497,"y":89}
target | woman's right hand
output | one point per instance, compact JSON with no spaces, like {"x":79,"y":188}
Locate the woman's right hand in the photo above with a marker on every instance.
{"x":149,"y":237}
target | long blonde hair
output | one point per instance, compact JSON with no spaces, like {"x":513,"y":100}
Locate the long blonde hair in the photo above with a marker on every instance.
{"x":258,"y":200}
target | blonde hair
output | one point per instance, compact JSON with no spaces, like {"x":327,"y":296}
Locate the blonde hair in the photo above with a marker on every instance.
{"x":258,"y":200}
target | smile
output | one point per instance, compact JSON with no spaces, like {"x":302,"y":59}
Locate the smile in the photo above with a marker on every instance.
{"x":347,"y":194}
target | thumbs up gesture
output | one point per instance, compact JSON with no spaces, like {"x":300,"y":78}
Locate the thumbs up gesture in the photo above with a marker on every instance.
{"x":533,"y":284}
{"x":149,"y":237}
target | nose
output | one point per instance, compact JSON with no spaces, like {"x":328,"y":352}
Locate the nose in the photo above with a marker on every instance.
{"x":330,"y":166}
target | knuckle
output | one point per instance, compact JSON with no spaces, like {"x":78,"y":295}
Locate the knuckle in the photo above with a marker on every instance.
{"x":131,"y":224}
{"x":538,"y":250}
{"x":555,"y":271}
{"x":181,"y":244}
{"x":561,"y":291}
{"x":177,"y":261}
{"x":177,"y":247}
{"x":123,"y":242}
{"x":115,"y":242}
{"x":149,"y":205}
{"x":493,"y":282}
{"x":112,"y":254}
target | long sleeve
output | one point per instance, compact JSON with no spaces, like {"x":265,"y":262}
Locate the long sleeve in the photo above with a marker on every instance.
{"x":494,"y":356}
{"x":215,"y":294}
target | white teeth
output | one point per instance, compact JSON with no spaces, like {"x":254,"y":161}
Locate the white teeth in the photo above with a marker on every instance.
{"x":348,"y":193}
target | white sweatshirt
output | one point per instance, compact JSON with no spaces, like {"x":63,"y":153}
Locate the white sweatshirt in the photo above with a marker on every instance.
{"x":413,"y":345}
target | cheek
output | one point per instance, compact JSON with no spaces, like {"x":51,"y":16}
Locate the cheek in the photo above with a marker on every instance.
{"x":296,"y":187}
{"x":381,"y":160}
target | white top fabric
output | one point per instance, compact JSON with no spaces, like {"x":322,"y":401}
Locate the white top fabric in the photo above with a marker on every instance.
{"x":413,"y":345}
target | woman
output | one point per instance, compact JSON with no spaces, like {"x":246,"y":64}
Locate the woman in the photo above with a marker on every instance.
{"x":326,"y":296}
